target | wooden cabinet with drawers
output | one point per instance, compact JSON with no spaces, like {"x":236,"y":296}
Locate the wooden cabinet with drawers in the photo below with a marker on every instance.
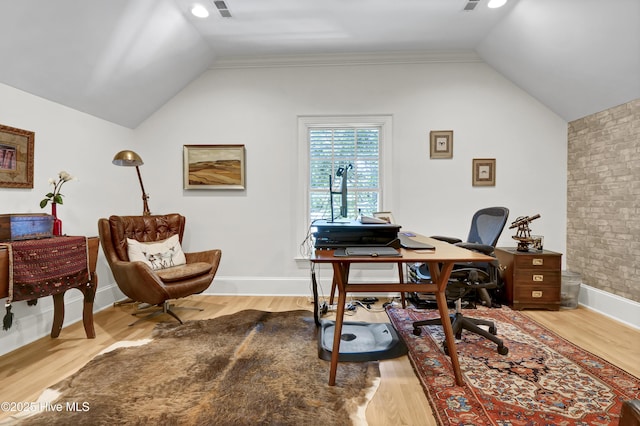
{"x":532,"y":279}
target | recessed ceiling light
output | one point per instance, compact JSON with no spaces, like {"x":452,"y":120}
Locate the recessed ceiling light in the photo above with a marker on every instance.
{"x":199,"y":11}
{"x":496,"y":3}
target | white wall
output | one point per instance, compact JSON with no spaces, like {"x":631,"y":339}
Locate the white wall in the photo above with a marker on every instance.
{"x":82,"y":145}
{"x":258,"y":107}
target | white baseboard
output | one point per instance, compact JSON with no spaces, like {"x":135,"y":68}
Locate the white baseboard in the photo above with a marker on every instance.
{"x":261,"y":286}
{"x":270,"y":286}
{"x":620,"y":309}
{"x":32,"y":323}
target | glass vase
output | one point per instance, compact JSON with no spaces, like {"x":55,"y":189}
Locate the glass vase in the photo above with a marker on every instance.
{"x":57,"y":223}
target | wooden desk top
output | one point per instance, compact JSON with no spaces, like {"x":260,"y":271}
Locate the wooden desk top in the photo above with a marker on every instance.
{"x":93,"y":242}
{"x":444,"y":253}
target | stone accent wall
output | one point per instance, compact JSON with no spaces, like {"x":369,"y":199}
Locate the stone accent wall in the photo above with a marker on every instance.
{"x":603,"y":193}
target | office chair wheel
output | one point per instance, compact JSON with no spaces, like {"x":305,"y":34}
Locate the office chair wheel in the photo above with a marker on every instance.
{"x":417,"y":331}
{"x":503,"y":350}
{"x":445,"y":348}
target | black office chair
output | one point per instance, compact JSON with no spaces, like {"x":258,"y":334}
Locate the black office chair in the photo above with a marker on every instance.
{"x":486,"y":226}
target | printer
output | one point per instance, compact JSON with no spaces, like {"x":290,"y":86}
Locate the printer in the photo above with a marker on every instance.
{"x":332,"y":235}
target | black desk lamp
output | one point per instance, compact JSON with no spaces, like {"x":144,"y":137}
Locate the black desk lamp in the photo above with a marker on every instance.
{"x":129,"y":159}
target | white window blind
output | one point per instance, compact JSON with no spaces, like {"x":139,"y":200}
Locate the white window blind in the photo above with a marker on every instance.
{"x":331,"y":148}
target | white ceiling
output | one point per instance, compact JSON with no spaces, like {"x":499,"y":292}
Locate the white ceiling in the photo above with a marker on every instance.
{"x":121,"y":60}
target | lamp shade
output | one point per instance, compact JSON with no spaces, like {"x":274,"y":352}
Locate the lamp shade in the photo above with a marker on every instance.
{"x":127,"y":158}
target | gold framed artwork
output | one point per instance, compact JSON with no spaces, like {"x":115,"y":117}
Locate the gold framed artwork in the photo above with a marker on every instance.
{"x":484,"y":172}
{"x":16,"y":157}
{"x":441,"y":143}
{"x":214,"y":167}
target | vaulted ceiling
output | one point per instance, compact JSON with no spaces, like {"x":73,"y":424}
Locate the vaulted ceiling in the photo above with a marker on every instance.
{"x":121,"y":60}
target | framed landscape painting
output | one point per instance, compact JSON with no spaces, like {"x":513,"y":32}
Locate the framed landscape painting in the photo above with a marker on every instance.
{"x":214,"y":167}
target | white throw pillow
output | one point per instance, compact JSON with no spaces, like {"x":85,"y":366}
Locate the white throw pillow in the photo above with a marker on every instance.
{"x":159,"y":254}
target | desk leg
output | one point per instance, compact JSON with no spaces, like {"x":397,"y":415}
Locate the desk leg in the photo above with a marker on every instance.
{"x":401,"y":278}
{"x":341,"y":275}
{"x":441,"y":278}
{"x":314,"y":288}
{"x":333,"y":291}
{"x":58,"y":314}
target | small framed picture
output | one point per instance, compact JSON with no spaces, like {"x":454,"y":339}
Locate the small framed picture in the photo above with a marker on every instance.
{"x":484,"y":172}
{"x":386,"y":216}
{"x":214,"y":167}
{"x":441,"y":144}
{"x":16,"y":157}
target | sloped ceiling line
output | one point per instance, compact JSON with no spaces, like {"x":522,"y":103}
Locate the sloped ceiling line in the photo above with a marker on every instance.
{"x":121,"y":60}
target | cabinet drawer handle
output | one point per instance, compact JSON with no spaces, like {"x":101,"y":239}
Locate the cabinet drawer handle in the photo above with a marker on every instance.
{"x":538,"y":277}
{"x":538,"y":262}
{"x":536,"y":294}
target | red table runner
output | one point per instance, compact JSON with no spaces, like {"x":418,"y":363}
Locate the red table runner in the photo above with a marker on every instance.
{"x":44,"y":267}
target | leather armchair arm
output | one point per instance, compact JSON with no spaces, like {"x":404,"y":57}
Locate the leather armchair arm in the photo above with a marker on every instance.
{"x":208,"y":256}
{"x":138,"y":281}
{"x":450,"y":240}
{"x":211,"y":257}
{"x":482,"y":248}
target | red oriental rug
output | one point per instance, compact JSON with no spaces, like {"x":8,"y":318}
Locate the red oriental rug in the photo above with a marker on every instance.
{"x":543,"y":380}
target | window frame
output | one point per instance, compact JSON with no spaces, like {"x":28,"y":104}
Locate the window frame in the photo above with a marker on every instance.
{"x":384,"y":122}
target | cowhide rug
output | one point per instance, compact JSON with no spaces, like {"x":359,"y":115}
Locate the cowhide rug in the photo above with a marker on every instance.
{"x":248,"y":368}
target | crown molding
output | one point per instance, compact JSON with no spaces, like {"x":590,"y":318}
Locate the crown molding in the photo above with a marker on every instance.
{"x":375,"y":58}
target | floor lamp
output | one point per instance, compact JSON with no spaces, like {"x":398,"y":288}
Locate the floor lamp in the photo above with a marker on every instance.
{"x":129,"y":159}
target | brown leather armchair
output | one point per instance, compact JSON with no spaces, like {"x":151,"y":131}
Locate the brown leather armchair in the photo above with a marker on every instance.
{"x":137,"y":279}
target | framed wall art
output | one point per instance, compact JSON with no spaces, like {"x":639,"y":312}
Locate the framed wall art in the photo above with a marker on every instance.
{"x":214,"y":167}
{"x":484,"y":172}
{"x":441,"y":143}
{"x":16,"y":157}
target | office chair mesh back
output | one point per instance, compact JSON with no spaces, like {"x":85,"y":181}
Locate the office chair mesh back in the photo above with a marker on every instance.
{"x":487,"y":225}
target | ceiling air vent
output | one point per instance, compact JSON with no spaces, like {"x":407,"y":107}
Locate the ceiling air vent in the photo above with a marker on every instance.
{"x":222,"y":8}
{"x":471,"y":4}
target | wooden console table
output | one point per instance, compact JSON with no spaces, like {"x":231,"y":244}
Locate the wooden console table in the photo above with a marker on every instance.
{"x":88,"y":290}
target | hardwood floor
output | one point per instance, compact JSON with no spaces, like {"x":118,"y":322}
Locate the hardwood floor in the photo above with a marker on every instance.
{"x":25,"y":372}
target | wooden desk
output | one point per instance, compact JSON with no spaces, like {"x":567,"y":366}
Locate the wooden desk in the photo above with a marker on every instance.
{"x":440,"y":263}
{"x":88,"y":290}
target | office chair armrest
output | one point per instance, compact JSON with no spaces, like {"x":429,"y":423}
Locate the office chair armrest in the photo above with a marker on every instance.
{"x":450,"y":240}
{"x":482,"y":248}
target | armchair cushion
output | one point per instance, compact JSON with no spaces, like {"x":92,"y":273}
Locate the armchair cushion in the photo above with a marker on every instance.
{"x":158,"y":255}
{"x":183,"y":272}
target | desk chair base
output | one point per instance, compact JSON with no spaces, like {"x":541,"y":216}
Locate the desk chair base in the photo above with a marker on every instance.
{"x":165,"y":308}
{"x":459,"y":323}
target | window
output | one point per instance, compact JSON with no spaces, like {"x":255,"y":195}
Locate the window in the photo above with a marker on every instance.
{"x":355,"y":151}
{"x":327,"y":143}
